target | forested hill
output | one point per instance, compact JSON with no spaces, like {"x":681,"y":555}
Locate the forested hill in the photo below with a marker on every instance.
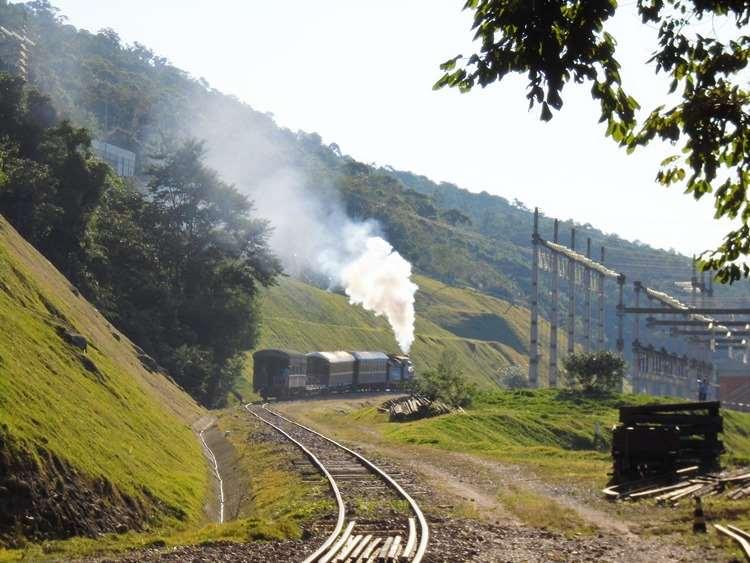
{"x":132,"y":97}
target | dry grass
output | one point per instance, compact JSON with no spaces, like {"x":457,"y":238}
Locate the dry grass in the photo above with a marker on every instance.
{"x":542,"y":512}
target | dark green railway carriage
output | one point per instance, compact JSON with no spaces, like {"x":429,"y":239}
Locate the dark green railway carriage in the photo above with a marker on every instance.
{"x":279,"y":373}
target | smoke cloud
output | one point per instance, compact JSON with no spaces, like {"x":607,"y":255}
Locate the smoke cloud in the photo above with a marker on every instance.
{"x":380,"y":280}
{"x":312,"y":234}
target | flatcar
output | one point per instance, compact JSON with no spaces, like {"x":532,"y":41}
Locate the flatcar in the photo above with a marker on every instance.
{"x":279,"y":373}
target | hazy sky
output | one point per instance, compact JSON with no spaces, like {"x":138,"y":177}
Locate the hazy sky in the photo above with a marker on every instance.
{"x":360,"y":73}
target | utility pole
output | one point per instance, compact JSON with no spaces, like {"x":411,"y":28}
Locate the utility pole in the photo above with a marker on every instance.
{"x":620,"y":313}
{"x":534,"y":340}
{"x":552,"y":373}
{"x":636,"y":338}
{"x":601,"y":305}
{"x":572,"y":296}
{"x":587,"y":301}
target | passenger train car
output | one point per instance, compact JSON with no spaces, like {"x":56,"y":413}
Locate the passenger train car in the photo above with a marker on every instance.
{"x":285,"y":373}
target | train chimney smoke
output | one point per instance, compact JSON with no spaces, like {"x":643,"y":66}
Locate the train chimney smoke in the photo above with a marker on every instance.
{"x":318,"y":241}
{"x":379,"y":280}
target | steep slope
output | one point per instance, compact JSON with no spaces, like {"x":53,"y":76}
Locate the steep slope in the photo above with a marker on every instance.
{"x":90,"y":440}
{"x":486,"y":333}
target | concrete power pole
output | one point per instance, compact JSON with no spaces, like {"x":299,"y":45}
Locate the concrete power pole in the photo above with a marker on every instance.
{"x":620,"y":314}
{"x":552,"y":373}
{"x":636,"y":337}
{"x":601,"y":305}
{"x":534,"y":338}
{"x":587,"y":302}
{"x":572,"y":296}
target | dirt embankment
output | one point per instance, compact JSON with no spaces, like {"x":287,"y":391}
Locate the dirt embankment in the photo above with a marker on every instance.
{"x":43,"y":497}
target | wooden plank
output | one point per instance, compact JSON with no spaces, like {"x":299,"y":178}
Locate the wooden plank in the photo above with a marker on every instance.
{"x":676,"y":419}
{"x":361,"y":546}
{"x":383,"y":553}
{"x":735,"y":478}
{"x":647,"y":409}
{"x":343,"y":555}
{"x":370,"y":551}
{"x":338,"y":545}
{"x":395,"y":548}
{"x":660,"y":490}
{"x":737,"y":531}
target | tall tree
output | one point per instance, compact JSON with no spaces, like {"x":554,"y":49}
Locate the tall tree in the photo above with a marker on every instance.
{"x":556,"y":41}
{"x":214,"y":255}
{"x":53,"y":182}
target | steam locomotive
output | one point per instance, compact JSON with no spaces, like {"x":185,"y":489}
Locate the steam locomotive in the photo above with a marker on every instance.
{"x":285,"y":373}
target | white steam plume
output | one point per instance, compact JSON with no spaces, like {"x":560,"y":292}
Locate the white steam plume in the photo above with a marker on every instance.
{"x":312,"y":233}
{"x":380,"y":280}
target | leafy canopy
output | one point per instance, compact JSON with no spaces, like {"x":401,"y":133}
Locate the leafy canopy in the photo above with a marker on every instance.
{"x":705,"y":112}
{"x":594,"y":372}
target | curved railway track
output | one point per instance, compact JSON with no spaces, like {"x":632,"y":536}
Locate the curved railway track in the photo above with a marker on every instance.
{"x":377,"y":520}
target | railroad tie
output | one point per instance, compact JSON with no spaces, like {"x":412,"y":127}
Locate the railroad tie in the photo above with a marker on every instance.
{"x":360,"y":548}
{"x":385,"y":550}
{"x":395,"y":550}
{"x":338,"y":545}
{"x":345,"y":553}
{"x":370,"y":552}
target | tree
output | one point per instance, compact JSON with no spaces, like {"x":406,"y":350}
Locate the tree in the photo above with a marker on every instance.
{"x":53,"y":183}
{"x":556,"y":41}
{"x":595,"y":371}
{"x":455,"y":217}
{"x":179,"y":268}
{"x":446,"y":383}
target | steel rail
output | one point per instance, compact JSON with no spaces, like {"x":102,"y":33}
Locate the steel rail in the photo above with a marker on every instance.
{"x":331,"y":481}
{"x":424,"y":529}
{"x":737,"y":535}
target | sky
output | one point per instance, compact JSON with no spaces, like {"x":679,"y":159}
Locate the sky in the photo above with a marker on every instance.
{"x":360,"y":74}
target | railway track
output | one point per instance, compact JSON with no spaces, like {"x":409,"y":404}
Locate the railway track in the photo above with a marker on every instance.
{"x":377,"y":520}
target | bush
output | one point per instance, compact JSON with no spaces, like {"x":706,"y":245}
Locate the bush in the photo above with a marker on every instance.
{"x":446,"y":383}
{"x":513,"y":377}
{"x":595,"y":372}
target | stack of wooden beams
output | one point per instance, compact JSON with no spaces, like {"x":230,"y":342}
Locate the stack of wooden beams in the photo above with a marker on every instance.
{"x":653,"y":440}
{"x":413,"y":407}
{"x":732,"y":486}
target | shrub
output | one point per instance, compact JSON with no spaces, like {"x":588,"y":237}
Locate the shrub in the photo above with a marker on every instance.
{"x":513,"y":377}
{"x":595,"y":371}
{"x":446,"y":383}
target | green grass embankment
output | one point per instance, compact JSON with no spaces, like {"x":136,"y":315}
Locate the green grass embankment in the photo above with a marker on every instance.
{"x":100,"y":412}
{"x":552,"y":431}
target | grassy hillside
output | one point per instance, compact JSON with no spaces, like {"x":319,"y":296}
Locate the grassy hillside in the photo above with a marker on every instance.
{"x":553,"y":432}
{"x":89,"y":441}
{"x":485,"y":332}
{"x":546,"y":433}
